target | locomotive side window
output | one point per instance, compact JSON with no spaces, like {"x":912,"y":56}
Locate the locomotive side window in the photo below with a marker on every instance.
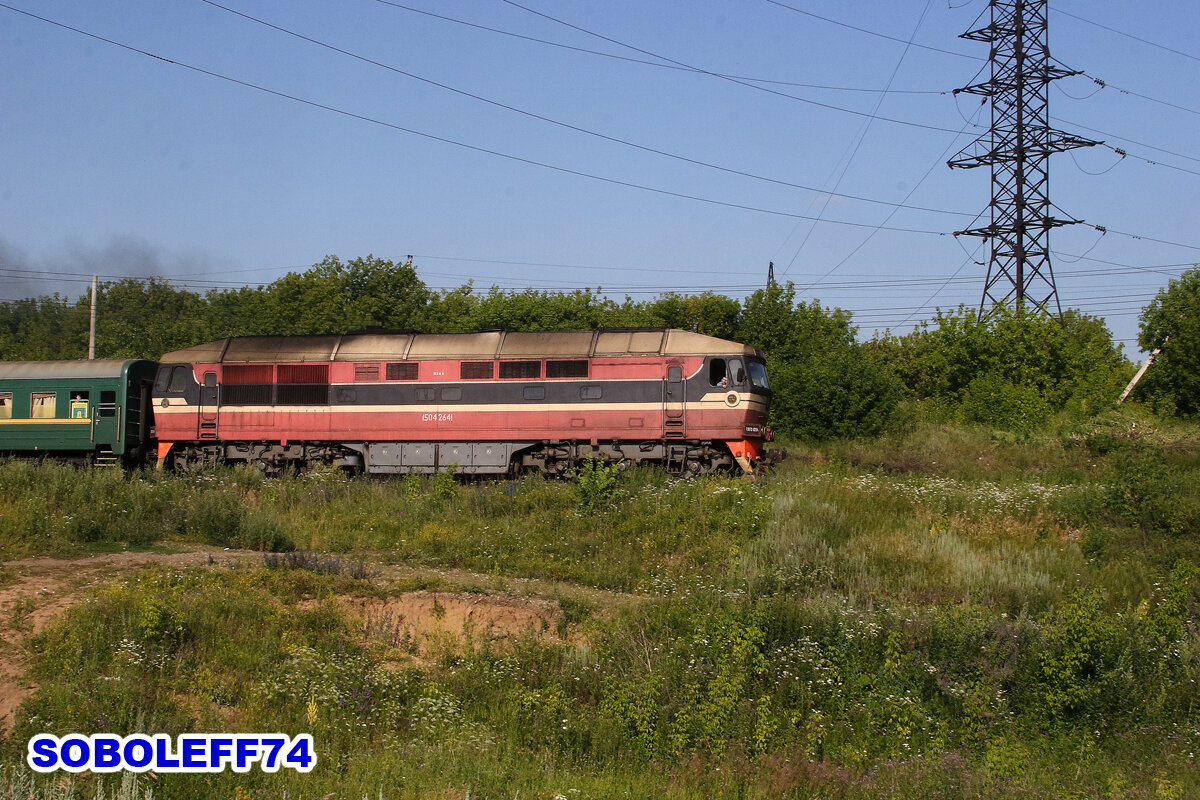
{"x":402,"y":371}
{"x":180,"y":377}
{"x":42,"y":405}
{"x":590,"y":392}
{"x":476,"y":370}
{"x":5,"y":405}
{"x":451,"y":393}
{"x":520,"y":369}
{"x":108,"y":403}
{"x":535,"y":393}
{"x":716,"y":372}
{"x":567,"y":369}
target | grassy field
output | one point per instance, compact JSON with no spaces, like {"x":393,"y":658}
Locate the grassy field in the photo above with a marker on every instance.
{"x":945,"y":612}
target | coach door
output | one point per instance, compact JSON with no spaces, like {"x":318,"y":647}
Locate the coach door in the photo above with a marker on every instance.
{"x":673,"y":402}
{"x":208,"y":406}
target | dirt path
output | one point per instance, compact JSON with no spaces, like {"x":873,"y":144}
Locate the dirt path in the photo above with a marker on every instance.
{"x":46,"y":587}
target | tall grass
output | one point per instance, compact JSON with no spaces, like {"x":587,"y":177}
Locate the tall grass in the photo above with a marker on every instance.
{"x":945,"y":613}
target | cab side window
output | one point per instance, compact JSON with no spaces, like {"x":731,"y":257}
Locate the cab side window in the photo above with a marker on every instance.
{"x":716,"y":373}
{"x":179,"y":379}
{"x":737,"y":371}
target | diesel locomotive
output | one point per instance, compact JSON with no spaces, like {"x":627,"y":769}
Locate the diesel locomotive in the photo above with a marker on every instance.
{"x":492,"y":403}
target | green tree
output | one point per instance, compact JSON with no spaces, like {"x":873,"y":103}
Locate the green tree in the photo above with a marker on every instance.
{"x":1172,"y":322}
{"x":42,"y":328}
{"x":825,"y":383}
{"x":335,"y":297}
{"x":144,"y":319}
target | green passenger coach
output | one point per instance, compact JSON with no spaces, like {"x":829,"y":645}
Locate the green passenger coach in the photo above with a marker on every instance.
{"x":92,"y":411}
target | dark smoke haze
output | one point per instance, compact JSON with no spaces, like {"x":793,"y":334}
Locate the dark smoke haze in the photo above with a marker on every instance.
{"x":68,"y":271}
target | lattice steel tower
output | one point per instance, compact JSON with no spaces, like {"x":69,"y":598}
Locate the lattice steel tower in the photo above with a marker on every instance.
{"x":1017,"y":148}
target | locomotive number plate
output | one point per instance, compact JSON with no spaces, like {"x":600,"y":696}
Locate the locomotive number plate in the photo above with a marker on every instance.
{"x":443,"y":417}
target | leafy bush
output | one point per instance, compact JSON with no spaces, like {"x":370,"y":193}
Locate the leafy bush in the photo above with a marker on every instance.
{"x":1017,"y":356}
{"x":1152,"y":495}
{"x":996,"y":401}
{"x":595,"y":484}
{"x":825,"y":385}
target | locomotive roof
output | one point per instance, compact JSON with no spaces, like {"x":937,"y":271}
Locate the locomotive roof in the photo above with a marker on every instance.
{"x":491,"y":344}
{"x":43,"y":370}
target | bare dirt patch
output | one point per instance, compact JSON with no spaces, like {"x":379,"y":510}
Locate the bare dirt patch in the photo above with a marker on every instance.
{"x":427,"y":624}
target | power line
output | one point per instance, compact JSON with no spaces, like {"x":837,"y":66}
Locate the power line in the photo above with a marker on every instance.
{"x":1126,"y":34}
{"x":1103,"y":84}
{"x":569,"y":126}
{"x":874,"y":33}
{"x":723,"y":77}
{"x":658,"y":64}
{"x":854,"y":152}
{"x":463,"y":145}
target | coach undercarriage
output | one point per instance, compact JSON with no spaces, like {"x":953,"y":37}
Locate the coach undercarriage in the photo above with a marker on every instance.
{"x":552,"y":458}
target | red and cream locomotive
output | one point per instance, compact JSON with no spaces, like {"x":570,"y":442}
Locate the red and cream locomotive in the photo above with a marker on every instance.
{"x":487,"y":403}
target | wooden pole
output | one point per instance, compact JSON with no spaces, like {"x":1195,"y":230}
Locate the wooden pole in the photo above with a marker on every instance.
{"x":92,"y":324}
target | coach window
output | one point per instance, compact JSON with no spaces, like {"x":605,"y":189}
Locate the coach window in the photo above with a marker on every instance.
{"x":716,"y":372}
{"x":79,"y":405}
{"x":108,"y":403}
{"x":41,"y":405}
{"x":5,"y":405}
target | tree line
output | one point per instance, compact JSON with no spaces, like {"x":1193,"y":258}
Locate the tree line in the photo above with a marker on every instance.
{"x":1010,"y":369}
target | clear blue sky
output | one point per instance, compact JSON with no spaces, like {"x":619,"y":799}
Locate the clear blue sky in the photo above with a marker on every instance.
{"x":120,"y":163}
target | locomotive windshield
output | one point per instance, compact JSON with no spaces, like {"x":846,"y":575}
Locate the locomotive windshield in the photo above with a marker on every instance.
{"x":758,"y":375}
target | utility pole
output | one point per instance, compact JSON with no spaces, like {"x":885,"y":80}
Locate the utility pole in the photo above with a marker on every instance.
{"x":1017,"y":147}
{"x":92,"y":324}
{"x":770,"y":274}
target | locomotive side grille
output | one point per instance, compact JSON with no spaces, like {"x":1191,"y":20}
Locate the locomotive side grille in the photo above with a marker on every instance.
{"x":567,"y":369}
{"x":247,"y":373}
{"x":476,"y":370}
{"x":520,"y":369}
{"x":402,"y":371}
{"x":304,"y":373}
{"x":246,"y":394}
{"x":303,"y":394}
{"x":366,"y":372}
